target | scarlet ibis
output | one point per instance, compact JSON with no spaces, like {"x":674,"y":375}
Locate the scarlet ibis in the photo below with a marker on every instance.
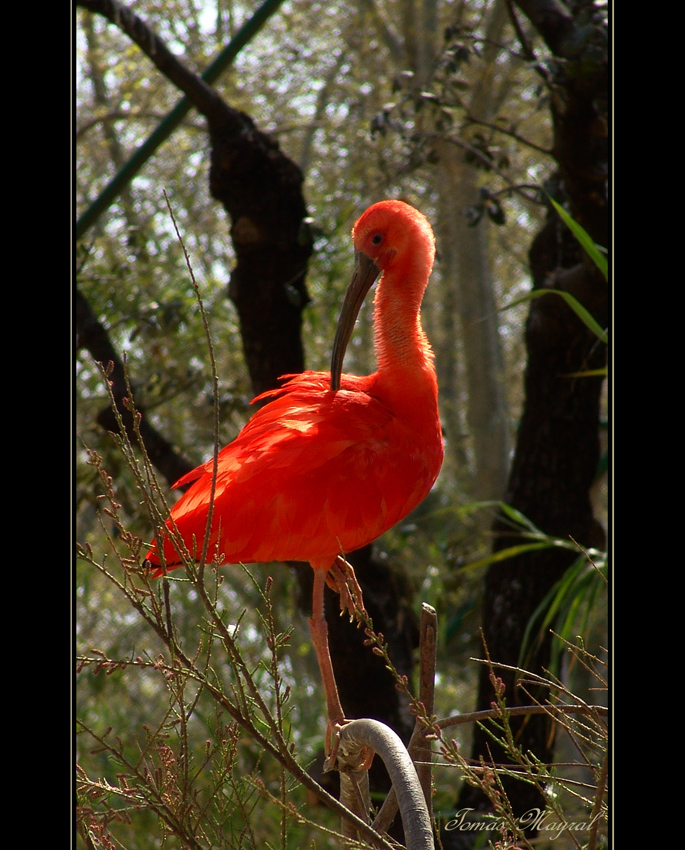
{"x":333,"y":460}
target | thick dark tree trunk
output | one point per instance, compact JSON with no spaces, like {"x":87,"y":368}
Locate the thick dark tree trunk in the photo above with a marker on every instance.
{"x":557,"y":451}
{"x":261,"y":190}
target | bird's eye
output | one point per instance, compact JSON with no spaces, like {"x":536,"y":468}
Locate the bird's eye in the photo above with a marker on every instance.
{"x":377,"y":239}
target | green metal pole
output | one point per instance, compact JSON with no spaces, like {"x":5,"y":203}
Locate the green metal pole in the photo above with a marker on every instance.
{"x":173,"y":119}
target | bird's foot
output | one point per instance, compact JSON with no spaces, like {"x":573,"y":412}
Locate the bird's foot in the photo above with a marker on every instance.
{"x":359,"y":759}
{"x":342,"y":579}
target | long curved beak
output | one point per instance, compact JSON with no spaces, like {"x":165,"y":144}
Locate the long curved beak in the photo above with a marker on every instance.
{"x":365,"y":273}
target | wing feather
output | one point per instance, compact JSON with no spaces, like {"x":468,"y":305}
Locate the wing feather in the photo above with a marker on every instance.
{"x":306,"y":479}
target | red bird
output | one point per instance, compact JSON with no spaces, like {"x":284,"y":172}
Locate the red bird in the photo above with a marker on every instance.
{"x":332,"y":461}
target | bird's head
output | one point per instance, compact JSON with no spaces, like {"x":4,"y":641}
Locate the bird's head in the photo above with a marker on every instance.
{"x":390,"y":230}
{"x":387,"y":234}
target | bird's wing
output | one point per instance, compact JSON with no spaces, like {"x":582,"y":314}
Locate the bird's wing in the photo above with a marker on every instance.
{"x":313,"y":474}
{"x":292,"y":410}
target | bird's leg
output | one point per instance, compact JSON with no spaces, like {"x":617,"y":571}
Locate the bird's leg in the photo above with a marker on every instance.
{"x":342,"y":579}
{"x":318,"y":629}
{"x":319,"y":632}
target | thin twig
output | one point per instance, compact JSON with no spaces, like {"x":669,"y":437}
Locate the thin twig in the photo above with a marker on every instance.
{"x":215,"y":389}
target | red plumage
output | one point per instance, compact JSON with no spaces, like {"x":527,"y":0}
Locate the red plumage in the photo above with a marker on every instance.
{"x":314,"y":474}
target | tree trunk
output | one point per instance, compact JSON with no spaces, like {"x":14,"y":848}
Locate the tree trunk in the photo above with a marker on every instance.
{"x":465,"y":254}
{"x":465,"y":259}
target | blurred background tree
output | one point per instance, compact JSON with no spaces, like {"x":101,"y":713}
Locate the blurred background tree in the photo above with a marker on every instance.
{"x":466,"y":110}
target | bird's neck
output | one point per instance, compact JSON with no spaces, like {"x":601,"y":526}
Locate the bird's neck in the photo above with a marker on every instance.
{"x":404,"y":355}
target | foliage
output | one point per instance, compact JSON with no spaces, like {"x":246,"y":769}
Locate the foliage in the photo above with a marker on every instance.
{"x":576,"y":800}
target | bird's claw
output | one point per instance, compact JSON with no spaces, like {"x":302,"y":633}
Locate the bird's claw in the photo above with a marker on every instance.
{"x":357,"y":760}
{"x":332,"y":744}
{"x":342,"y":579}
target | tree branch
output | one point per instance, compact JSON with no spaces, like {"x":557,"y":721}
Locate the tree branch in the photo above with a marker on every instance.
{"x":553,"y":20}
{"x":93,"y":337}
{"x":201,"y":95}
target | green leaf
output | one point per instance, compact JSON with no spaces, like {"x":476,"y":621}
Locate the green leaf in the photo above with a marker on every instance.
{"x":532,"y":538}
{"x":568,"y":606}
{"x":584,"y":315}
{"x":592,"y":250}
